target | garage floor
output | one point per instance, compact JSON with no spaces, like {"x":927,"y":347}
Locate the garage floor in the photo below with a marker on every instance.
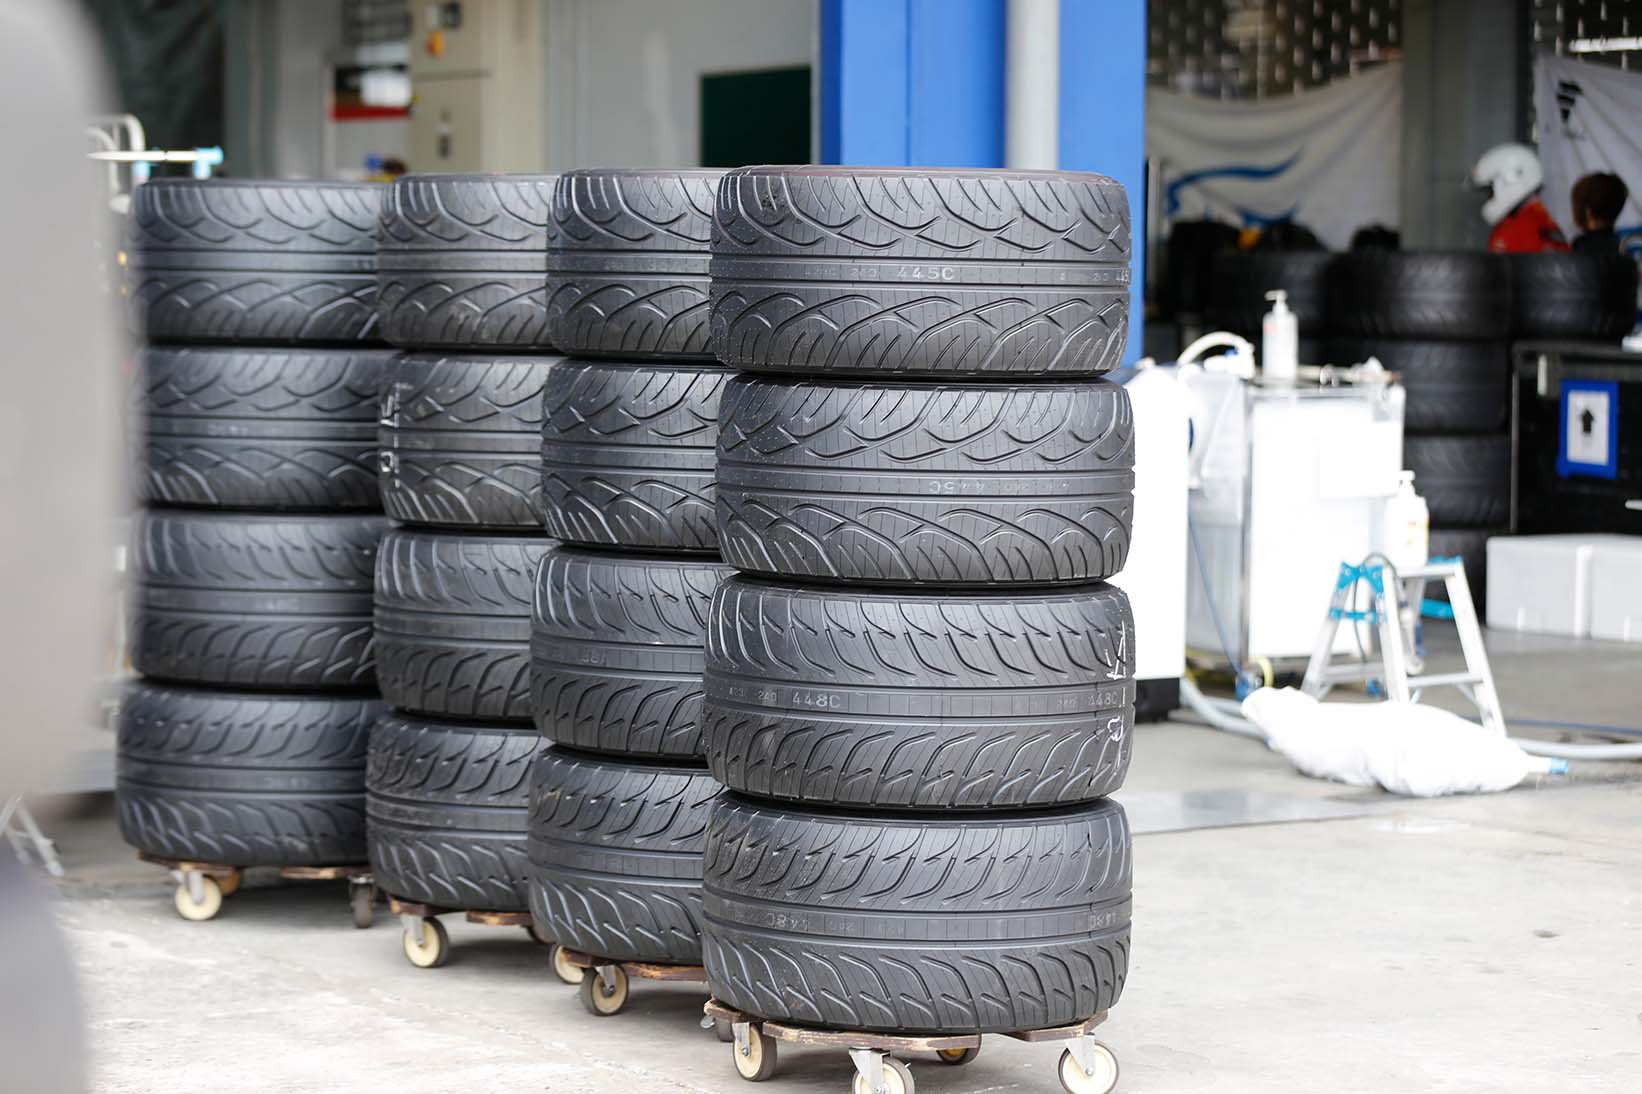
{"x":1484,"y":944}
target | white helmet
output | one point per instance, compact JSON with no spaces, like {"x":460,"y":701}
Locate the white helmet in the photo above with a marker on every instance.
{"x":1511,"y":173}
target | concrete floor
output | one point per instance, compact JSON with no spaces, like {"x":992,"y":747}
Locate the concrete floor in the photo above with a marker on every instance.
{"x":1481,"y":944}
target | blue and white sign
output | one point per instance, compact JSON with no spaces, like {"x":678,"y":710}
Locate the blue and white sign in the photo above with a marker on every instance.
{"x":1590,"y":429}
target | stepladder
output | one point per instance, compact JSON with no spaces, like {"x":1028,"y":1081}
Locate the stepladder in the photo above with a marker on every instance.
{"x":1391,"y":654}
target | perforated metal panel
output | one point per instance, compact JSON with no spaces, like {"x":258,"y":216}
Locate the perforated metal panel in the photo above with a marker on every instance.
{"x":368,"y":22}
{"x":1592,"y":30}
{"x":1254,"y":49}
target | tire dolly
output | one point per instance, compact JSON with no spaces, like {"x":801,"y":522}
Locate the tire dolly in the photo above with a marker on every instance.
{"x":203,"y":886}
{"x":1087,"y":1066}
{"x":604,"y":983}
{"x":427,"y":943}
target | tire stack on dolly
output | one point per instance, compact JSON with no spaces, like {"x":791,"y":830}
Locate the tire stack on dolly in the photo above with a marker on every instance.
{"x":244,"y":744}
{"x":462,"y":260}
{"x":919,"y":689}
{"x":619,"y":804}
{"x":1441,"y":320}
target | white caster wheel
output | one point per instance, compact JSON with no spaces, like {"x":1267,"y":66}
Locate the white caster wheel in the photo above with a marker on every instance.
{"x":229,"y":883}
{"x":362,"y":900}
{"x":957,"y":1057}
{"x":602,"y":997}
{"x":199,"y":899}
{"x":434,"y":948}
{"x":563,"y":969}
{"x":1100,"y":1079}
{"x":756,"y":1061}
{"x":897,"y":1079}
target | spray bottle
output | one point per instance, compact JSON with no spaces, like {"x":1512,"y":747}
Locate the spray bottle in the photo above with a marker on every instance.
{"x":1279,"y":341}
{"x":1405,"y":535}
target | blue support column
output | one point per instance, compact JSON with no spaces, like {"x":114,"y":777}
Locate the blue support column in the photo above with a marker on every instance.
{"x":1103,"y":115}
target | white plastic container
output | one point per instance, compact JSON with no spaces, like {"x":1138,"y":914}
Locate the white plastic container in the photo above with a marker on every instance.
{"x":1616,"y":588}
{"x":1405,"y":526}
{"x":1543,"y":584}
{"x":1279,"y":341}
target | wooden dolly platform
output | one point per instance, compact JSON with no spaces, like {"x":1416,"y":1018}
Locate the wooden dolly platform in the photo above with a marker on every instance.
{"x":427,"y":943}
{"x":203,"y":886}
{"x":1086,"y":1067}
{"x":605,"y":993}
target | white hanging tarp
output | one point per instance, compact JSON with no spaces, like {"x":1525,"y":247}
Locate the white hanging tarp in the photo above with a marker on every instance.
{"x":1589,"y":119}
{"x":1328,"y":159}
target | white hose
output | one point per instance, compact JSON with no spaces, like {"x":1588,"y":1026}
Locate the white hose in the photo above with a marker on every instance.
{"x":1218,"y":714}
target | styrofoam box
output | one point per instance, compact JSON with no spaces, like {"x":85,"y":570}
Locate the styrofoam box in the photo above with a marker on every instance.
{"x":1616,"y":589}
{"x":1543,"y":584}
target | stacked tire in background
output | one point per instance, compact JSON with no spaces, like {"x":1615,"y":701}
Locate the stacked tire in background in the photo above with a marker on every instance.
{"x":918,"y":688}
{"x":1240,"y":280}
{"x":619,"y":804}
{"x":251,"y":563}
{"x":462,"y":261}
{"x":1443,"y":321}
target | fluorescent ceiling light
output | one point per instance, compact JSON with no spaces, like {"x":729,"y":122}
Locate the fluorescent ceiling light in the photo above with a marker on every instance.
{"x":1604,"y":45}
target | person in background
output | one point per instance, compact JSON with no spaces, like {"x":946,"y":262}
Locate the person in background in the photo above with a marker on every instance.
{"x":1522,"y":225}
{"x":1597,"y":199}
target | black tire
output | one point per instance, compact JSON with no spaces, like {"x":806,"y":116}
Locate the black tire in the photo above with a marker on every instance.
{"x":627,"y":267}
{"x":1453,"y":387}
{"x":1400,"y":294}
{"x":1465,"y":481}
{"x":1470,"y":545}
{"x":462,"y":262}
{"x":971,"y":484}
{"x":1238,"y":286}
{"x":615,"y":855}
{"x":832,"y":270}
{"x":253,"y":601}
{"x":243,"y":779}
{"x":448,"y":812}
{"x":259,"y":429}
{"x":461,"y":440}
{"x":1590,"y":296}
{"x":617,"y":651}
{"x":628,"y":455}
{"x":453,"y":622}
{"x":919,"y":700}
{"x":962,"y":924}
{"x":226,"y":260}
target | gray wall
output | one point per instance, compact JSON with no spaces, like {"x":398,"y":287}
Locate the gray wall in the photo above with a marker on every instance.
{"x":1461,"y":96}
{"x":275,"y":61}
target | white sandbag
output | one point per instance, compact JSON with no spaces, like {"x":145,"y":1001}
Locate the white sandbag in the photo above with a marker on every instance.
{"x":1407,"y":748}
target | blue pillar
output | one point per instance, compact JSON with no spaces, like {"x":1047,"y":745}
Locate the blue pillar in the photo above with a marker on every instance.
{"x":1103,"y":115}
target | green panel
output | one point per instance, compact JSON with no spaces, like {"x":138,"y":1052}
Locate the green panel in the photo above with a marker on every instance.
{"x":755,"y":117}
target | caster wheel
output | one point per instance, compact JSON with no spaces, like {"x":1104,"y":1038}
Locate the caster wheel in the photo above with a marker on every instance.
{"x":957,"y":1057}
{"x":435,"y":948}
{"x":363,"y":902}
{"x":600,"y":1000}
{"x":229,"y":883}
{"x":758,"y":1063}
{"x":206,"y":907}
{"x":564,"y":970}
{"x":897,"y":1079}
{"x":724,"y":1031}
{"x":1102,"y":1080}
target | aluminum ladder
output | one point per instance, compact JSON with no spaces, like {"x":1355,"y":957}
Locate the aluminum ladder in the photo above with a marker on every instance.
{"x":1393,"y":613}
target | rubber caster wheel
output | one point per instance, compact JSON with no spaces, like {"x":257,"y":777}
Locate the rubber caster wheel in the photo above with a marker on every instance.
{"x":1102,"y":1080}
{"x":724,"y":1031}
{"x":206,"y":907}
{"x":434,"y":949}
{"x":602,"y":1000}
{"x":897,"y":1079}
{"x":957,"y":1057}
{"x":229,"y":883}
{"x":563,"y":969}
{"x":363,"y":902}
{"x":758,"y":1063}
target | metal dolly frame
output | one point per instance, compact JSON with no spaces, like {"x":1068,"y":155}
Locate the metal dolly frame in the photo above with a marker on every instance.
{"x":427,"y":943}
{"x":203,"y":886}
{"x":606,"y":992}
{"x":1087,"y":1066}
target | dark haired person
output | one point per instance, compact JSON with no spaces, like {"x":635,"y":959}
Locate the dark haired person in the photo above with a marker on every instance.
{"x":1597,"y":200}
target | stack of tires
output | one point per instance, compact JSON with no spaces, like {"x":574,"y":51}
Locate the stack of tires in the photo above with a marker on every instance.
{"x":461,"y":268}
{"x":918,"y":688}
{"x":619,"y":803}
{"x":1442,"y":320}
{"x":244,"y":744}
